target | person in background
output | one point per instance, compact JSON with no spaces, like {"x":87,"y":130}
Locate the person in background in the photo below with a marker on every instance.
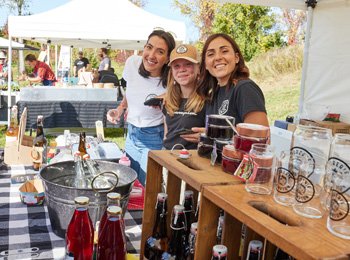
{"x":224,"y":80}
{"x":80,"y":63}
{"x":42,"y":72}
{"x":106,"y":76}
{"x":3,"y":69}
{"x":106,"y":61}
{"x":184,"y":108}
{"x":145,"y":75}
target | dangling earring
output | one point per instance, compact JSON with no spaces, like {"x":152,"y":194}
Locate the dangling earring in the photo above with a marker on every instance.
{"x":175,"y":82}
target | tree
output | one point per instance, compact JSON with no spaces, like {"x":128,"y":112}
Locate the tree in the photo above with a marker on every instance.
{"x":201,"y":12}
{"x":139,"y":3}
{"x":18,"y":6}
{"x":252,"y":27}
{"x":294,"y":21}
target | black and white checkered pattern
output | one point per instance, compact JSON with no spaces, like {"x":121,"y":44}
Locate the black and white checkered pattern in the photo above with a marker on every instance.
{"x":23,"y":227}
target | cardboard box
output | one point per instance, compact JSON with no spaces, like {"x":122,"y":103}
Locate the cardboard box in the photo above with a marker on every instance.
{"x":18,"y":152}
{"x":336,"y":127}
{"x":292,"y":127}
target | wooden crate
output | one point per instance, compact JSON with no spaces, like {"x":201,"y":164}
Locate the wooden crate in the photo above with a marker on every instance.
{"x":197,"y":172}
{"x":303,"y":238}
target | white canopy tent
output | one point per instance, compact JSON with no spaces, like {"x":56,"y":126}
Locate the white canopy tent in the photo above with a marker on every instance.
{"x":79,"y":23}
{"x":325,"y":84}
{"x":115,"y":24}
{"x":5,"y":43}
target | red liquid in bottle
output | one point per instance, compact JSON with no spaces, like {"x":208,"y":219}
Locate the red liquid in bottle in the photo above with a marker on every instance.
{"x":113,"y":199}
{"x":112,"y":241}
{"x":80,"y":236}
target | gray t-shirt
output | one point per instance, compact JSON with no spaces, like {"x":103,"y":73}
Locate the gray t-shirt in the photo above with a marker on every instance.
{"x":106,"y":60}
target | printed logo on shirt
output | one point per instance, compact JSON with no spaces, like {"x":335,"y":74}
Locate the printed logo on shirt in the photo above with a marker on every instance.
{"x":183,"y":113}
{"x":224,"y":107}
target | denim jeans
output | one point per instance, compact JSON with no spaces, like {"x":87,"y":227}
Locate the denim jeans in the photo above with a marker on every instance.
{"x":139,"y":141}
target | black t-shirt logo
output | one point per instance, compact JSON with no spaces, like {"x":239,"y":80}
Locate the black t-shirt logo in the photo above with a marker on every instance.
{"x":224,"y":107}
{"x":339,"y":206}
{"x":305,"y":190}
{"x":285,"y":180}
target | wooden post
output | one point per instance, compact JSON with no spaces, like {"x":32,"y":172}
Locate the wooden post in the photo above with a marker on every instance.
{"x":173,"y":190}
{"x":207,"y":226}
{"x":231,"y":236}
{"x":153,"y":187}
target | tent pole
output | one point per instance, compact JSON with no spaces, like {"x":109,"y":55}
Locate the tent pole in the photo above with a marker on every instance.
{"x":305,"y":62}
{"x":71,"y":59}
{"x":56,"y":60}
{"x":9,"y":76}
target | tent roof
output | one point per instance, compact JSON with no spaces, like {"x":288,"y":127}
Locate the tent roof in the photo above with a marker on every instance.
{"x":116,"y":24}
{"x":290,"y":4}
{"x":4,"y":44}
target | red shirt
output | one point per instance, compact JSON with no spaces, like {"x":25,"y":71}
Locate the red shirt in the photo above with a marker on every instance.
{"x":43,"y":71}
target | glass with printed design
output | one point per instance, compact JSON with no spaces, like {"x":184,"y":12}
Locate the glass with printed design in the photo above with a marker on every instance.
{"x":262,"y":159}
{"x":312,"y":191}
{"x":338,"y":222}
{"x":288,"y":167}
{"x":312,"y":142}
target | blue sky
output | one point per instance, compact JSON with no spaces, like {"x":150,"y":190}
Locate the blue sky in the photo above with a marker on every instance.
{"x":161,"y":8}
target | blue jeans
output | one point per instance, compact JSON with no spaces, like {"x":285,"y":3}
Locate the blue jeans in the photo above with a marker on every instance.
{"x":139,"y":141}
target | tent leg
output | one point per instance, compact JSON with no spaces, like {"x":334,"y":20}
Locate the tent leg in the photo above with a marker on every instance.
{"x":9,"y":76}
{"x":305,"y":62}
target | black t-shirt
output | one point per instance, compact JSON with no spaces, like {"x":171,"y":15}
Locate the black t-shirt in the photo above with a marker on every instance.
{"x":80,"y":64}
{"x":108,"y":77}
{"x":182,"y":119}
{"x":245,"y":97}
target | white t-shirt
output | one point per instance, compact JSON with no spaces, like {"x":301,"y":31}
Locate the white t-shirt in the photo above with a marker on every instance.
{"x":137,"y":90}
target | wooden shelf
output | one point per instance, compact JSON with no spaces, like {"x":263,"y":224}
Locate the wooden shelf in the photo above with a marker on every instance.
{"x":302,"y":238}
{"x":197,"y":172}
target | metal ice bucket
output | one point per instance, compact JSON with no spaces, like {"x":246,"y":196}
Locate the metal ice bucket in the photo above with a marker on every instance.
{"x":60,"y":198}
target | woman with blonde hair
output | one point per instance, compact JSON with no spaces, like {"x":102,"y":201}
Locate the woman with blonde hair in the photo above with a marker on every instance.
{"x":184,"y":108}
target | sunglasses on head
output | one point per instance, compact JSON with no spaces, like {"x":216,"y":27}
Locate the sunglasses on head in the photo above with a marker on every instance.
{"x":162,"y":29}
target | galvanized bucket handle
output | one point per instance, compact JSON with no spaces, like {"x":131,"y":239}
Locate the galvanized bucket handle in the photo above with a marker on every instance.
{"x":98,"y":175}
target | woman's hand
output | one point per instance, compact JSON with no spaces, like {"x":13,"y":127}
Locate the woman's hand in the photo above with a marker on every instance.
{"x":114,"y":115}
{"x":194,"y":138}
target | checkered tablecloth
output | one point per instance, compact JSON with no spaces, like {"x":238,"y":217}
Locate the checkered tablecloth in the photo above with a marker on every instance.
{"x":24,"y":227}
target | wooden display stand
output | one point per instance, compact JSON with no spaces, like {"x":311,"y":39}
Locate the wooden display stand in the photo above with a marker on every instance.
{"x":197,"y":172}
{"x":303,"y":238}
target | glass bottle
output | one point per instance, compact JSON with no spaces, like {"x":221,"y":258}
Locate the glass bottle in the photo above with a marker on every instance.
{"x":113,"y":199}
{"x":281,"y":255}
{"x":176,"y":243}
{"x":80,"y":232}
{"x":255,"y":249}
{"x":192,"y":241}
{"x":12,"y":130}
{"x":189,"y":212}
{"x":195,"y":219}
{"x":112,"y":241}
{"x":219,"y":230}
{"x":219,"y":252}
{"x":82,"y":145}
{"x":81,"y":181}
{"x":39,"y":153}
{"x":157,"y":244}
{"x":101,"y":182}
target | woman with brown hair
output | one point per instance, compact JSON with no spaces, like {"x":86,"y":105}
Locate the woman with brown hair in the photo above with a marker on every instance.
{"x":224,"y":79}
{"x":184,"y":108}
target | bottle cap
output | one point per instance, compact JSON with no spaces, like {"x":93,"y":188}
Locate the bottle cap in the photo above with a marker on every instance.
{"x":179,"y":208}
{"x":194,"y":227}
{"x":53,"y":143}
{"x":82,"y":200}
{"x":40,"y":117}
{"x":50,"y":155}
{"x":114,"y":210}
{"x":220,"y":250}
{"x":114,"y":196}
{"x":124,"y":158}
{"x":184,"y":154}
{"x":77,"y":153}
{"x":188,"y":194}
{"x":162,"y":196}
{"x":255,"y":245}
{"x":85,"y":156}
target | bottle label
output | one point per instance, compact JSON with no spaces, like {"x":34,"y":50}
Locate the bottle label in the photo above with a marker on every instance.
{"x":11,"y":138}
{"x":37,"y":154}
{"x":69,"y":256}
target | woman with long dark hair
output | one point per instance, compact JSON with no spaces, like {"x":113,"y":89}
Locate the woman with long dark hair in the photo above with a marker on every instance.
{"x":146,"y":76}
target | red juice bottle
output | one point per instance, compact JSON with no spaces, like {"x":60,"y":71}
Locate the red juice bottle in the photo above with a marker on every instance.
{"x":80,"y":232}
{"x":113,"y":199}
{"x":112,"y":240}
